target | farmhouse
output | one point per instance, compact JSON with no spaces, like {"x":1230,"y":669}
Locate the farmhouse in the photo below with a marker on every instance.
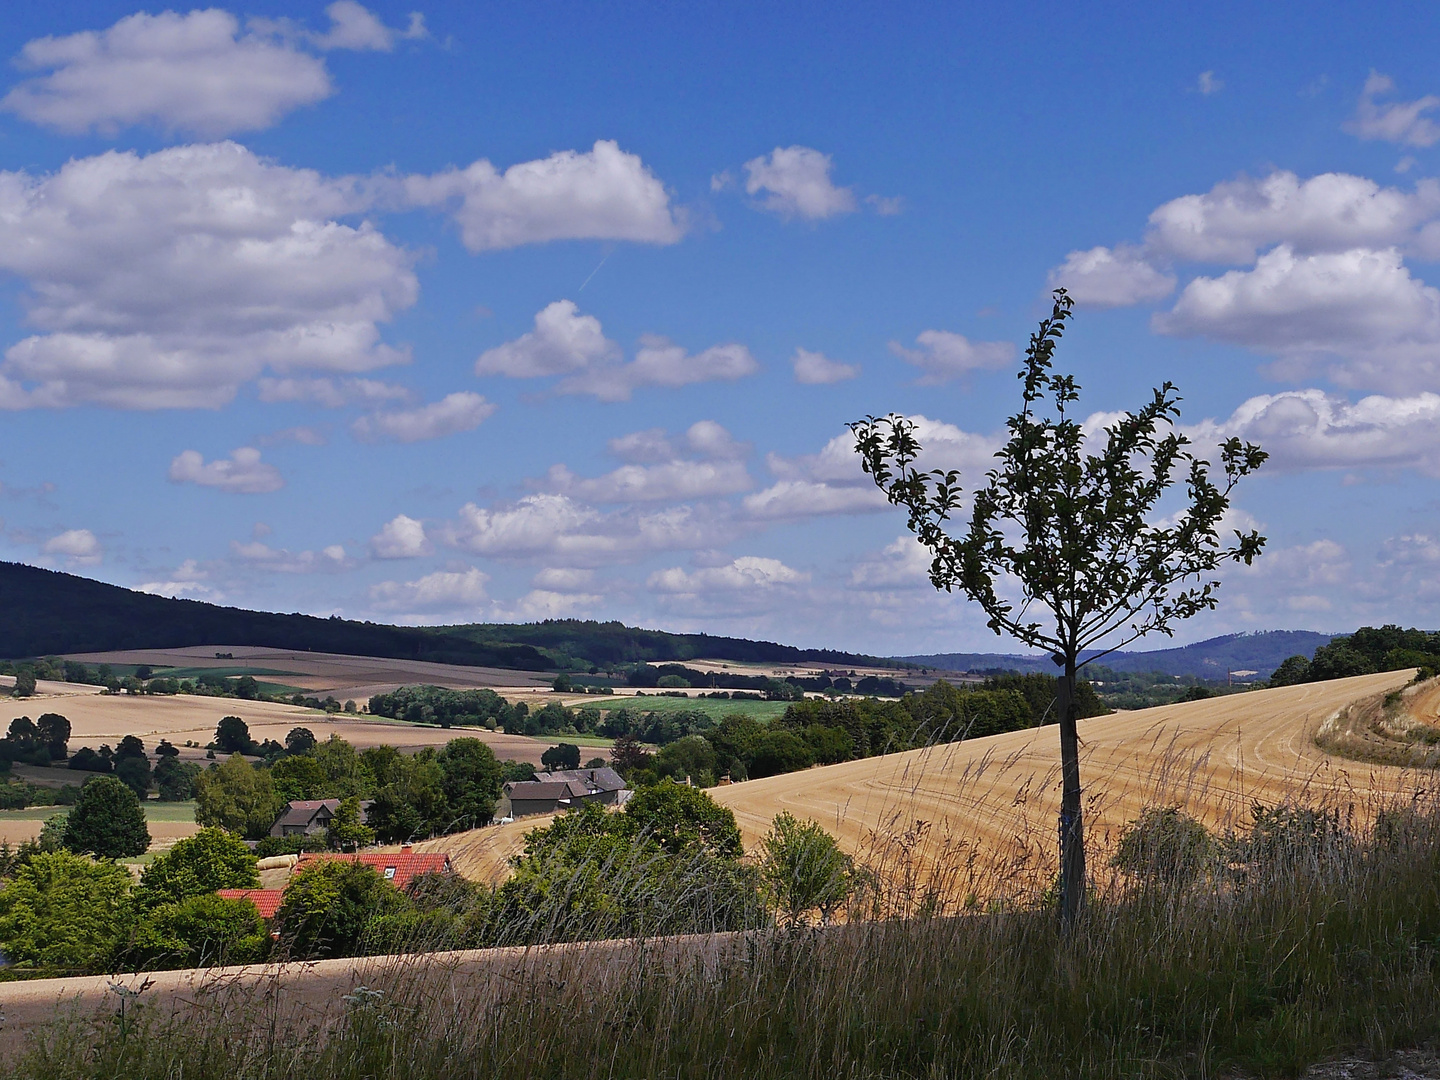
{"x":311,"y":817}
{"x":397,"y":867}
{"x":266,"y":901}
{"x":560,"y":790}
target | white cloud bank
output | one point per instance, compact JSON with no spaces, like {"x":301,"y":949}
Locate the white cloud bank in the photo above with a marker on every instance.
{"x":243,"y":474}
{"x":168,"y":280}
{"x":196,"y":73}
{"x":401,"y":537}
{"x":1402,"y":122}
{"x":444,"y":590}
{"x":565,"y":342}
{"x":604,"y":194}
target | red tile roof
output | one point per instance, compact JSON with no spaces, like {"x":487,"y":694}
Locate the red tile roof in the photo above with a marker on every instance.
{"x":266,"y":901}
{"x":397,"y":867}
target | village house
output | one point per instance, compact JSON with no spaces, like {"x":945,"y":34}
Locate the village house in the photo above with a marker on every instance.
{"x":311,"y":817}
{"x":399,"y":868}
{"x":561,"y":790}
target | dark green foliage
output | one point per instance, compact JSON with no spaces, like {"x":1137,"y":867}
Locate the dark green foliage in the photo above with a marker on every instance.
{"x":270,"y":846}
{"x":301,"y":740}
{"x":691,"y":757}
{"x":87,"y":760}
{"x":54,"y":731}
{"x":299,"y":777}
{"x":410,"y":802}
{"x":1369,"y":649}
{"x":175,"y":780}
{"x":471,"y":779}
{"x":24,"y":683}
{"x":562,"y":756}
{"x":1338,"y":660}
{"x":107,"y":821}
{"x":1164,"y":845}
{"x":684,"y":819}
{"x":778,"y":751}
{"x":448,"y":708}
{"x":232,"y":736}
{"x":211,"y":859}
{"x":328,"y":905}
{"x":24,"y":743}
{"x":135,"y":774}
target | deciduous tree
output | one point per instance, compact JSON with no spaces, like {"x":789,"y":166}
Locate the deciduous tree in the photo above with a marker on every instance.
{"x":1068,"y":550}
{"x":107,"y":821}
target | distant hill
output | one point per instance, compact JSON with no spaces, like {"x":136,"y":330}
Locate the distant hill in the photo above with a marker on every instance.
{"x":1260,"y":652}
{"x":48,"y":613}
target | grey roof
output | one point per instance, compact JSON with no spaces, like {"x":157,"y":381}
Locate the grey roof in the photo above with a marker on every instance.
{"x":303,"y":811}
{"x":606,"y":779}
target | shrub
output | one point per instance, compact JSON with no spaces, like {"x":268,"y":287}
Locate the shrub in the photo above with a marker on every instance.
{"x":199,"y":931}
{"x":63,"y":910}
{"x":1164,"y":845}
{"x":328,"y":905}
{"x":107,"y":821}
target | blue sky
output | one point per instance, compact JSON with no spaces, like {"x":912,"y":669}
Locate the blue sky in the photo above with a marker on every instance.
{"x":480,"y":312}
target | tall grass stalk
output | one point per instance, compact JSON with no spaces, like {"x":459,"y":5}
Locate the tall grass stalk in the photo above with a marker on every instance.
{"x":1307,"y":934}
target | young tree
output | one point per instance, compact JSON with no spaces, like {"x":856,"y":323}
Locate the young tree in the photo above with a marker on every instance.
{"x":1078,"y":536}
{"x":804,"y":869}
{"x":471,"y":779}
{"x":346,"y":832}
{"x":107,"y":821}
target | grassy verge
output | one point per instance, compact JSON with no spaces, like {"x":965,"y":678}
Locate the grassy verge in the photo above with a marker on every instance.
{"x":1318,"y":940}
{"x":154,"y":811}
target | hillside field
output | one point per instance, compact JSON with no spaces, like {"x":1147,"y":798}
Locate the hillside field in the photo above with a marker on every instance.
{"x":999,"y":796}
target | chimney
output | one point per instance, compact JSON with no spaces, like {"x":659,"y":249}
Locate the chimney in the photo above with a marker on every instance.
{"x":406,"y":849}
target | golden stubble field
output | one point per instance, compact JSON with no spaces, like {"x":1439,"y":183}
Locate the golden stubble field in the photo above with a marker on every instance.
{"x":999,"y":796}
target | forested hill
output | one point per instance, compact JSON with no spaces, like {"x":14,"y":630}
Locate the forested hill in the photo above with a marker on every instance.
{"x":1261,"y":652}
{"x":46,"y":613}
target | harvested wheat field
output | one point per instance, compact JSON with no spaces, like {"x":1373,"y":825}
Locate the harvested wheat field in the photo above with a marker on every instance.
{"x":357,"y":677}
{"x":999,"y":796}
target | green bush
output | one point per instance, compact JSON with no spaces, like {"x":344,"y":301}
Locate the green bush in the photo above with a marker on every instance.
{"x":197,"y":932}
{"x":328,"y":905}
{"x":211,"y":859}
{"x":1164,"y":845}
{"x":64,"y":911}
{"x":804,"y":869}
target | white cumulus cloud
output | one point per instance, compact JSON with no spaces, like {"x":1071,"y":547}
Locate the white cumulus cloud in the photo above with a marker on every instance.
{"x":605,"y":194}
{"x":1111,"y":277}
{"x":462,"y":411}
{"x":196,"y":73}
{"x":1402,"y":122}
{"x":260,"y":555}
{"x":795,"y":182}
{"x":1358,"y":313}
{"x":401,"y":537}
{"x":944,"y":356}
{"x":817,"y":369}
{"x":168,"y":280}
{"x":564,"y":342}
{"x":79,"y":546}
{"x":1310,"y":429}
{"x":243,"y":474}
{"x":668,"y":482}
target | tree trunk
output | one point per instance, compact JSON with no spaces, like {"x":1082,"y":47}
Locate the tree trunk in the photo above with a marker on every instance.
{"x":1072,"y":833}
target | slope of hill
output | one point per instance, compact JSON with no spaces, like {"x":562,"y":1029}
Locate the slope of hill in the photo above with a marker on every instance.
{"x":48,"y":613}
{"x":998,"y":797}
{"x":1261,"y":652}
